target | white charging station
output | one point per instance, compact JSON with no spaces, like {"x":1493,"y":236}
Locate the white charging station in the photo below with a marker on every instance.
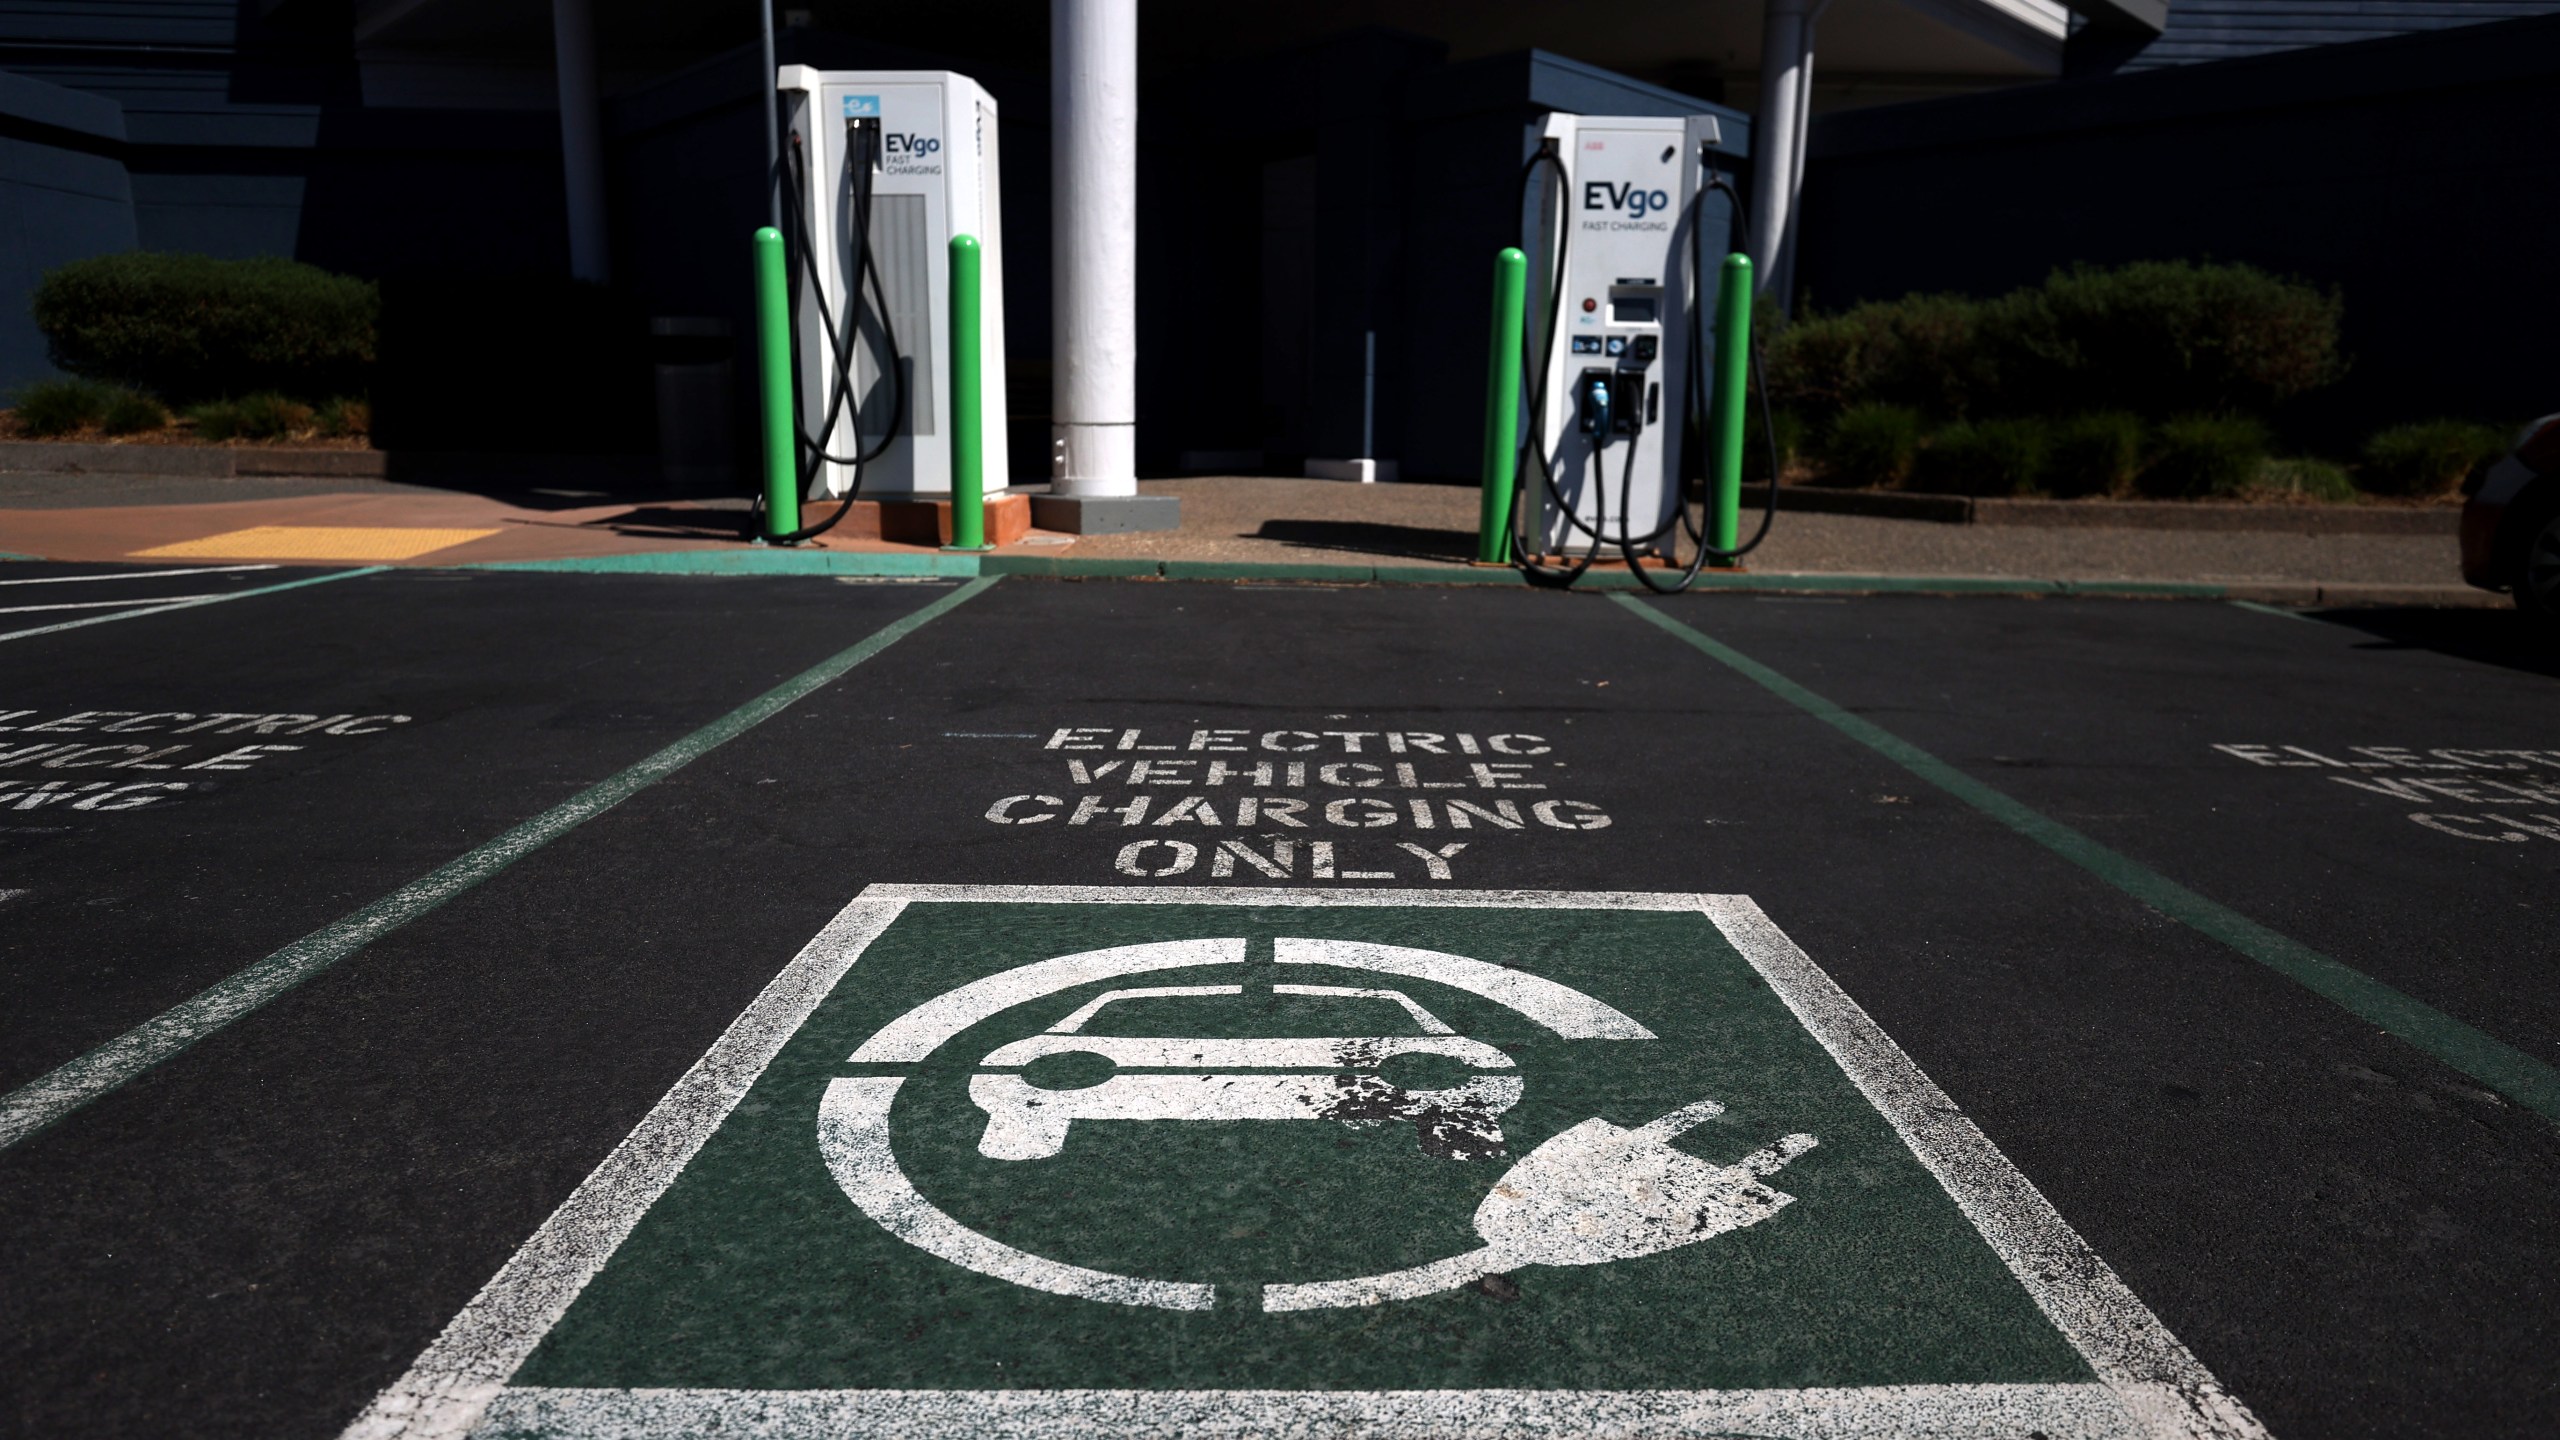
{"x":930,"y":141}
{"x":1615,"y":369}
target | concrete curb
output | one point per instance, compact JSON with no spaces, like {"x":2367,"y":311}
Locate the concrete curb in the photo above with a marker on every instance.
{"x":1061,"y":567}
{"x":2125,"y":514}
{"x":201,"y":462}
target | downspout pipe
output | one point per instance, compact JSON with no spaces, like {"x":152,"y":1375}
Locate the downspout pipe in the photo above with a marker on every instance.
{"x":1093,"y":175}
{"x":573,"y":38}
{"x":1778,"y":137}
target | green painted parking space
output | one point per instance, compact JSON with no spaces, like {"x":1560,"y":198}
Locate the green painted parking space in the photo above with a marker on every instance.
{"x":1004,"y":1159}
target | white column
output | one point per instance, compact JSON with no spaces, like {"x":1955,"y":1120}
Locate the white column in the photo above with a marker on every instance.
{"x":573,"y":39}
{"x":1093,"y":181}
{"x":1777,"y":133}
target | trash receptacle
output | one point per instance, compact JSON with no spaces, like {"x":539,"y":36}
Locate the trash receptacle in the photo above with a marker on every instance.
{"x":696,"y":358}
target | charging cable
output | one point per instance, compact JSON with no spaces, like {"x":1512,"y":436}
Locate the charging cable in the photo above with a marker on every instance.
{"x":843,"y":333}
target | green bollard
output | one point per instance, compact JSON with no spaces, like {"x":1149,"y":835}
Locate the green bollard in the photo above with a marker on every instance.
{"x":1731,"y":398}
{"x":1502,"y":407}
{"x":773,"y":354}
{"x":968,"y":403}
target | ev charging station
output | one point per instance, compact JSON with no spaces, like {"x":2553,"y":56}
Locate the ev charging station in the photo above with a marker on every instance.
{"x":1618,"y":270}
{"x":881,"y":168}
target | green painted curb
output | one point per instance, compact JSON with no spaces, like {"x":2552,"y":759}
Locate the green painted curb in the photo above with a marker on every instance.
{"x":1446,"y":575}
{"x":2195,"y":590}
{"x":945,"y":565}
{"x":1067,"y":567}
{"x":1266,"y":570}
{"x":750,"y":561}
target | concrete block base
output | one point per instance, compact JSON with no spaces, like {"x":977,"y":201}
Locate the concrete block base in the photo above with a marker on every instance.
{"x":1106,"y":514}
{"x":928,"y":522}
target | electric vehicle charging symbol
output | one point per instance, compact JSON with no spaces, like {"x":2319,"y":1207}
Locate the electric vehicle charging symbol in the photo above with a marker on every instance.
{"x":1593,"y":1193}
{"x":1244,"y":1079}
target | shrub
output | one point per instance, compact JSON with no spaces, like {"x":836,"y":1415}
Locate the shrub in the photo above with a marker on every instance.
{"x":2157,"y":338}
{"x":2429,"y":458}
{"x":1985,"y":457}
{"x":59,"y":407}
{"x":191,"y":328}
{"x":213,"y":420}
{"x":2097,"y":454}
{"x":2305,"y":479}
{"x":1790,"y":430}
{"x":1921,"y":351}
{"x":132,"y":413}
{"x":267,"y":416}
{"x":344,"y":417}
{"x":1874,"y":444}
{"x":2200,"y":455}
{"x":2162,"y":338}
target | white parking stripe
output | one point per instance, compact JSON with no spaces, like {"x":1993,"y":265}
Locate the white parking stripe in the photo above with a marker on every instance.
{"x":107,"y":604}
{"x":1944,"y":1412}
{"x":148,"y":608}
{"x":134,"y":574}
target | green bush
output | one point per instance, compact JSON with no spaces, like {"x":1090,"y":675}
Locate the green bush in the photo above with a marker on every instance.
{"x":2429,"y":458}
{"x":1874,"y":444}
{"x":2158,"y":338}
{"x":1755,"y":442}
{"x":133,"y":413}
{"x":1921,"y":351}
{"x":2163,"y":338}
{"x":2303,"y":479}
{"x":345,"y":417}
{"x":60,"y":407}
{"x":266,"y":416}
{"x":2096,"y":454}
{"x":2196,"y":456}
{"x":1985,"y":457}
{"x":192,"y":328}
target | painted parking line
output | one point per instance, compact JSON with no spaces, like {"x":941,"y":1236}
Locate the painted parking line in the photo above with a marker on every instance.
{"x":2261,"y":609}
{"x":41,"y":1102}
{"x":1388,"y":1162}
{"x":108,"y":604}
{"x":135,"y":574}
{"x":148,"y":607}
{"x":2511,"y":1072}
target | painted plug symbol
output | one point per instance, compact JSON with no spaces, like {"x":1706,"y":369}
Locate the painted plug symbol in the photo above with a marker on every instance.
{"x":1589,"y":1195}
{"x":1597,"y":1193}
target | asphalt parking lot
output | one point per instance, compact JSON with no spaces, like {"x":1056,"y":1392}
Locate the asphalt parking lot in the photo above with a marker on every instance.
{"x":2160,"y":990}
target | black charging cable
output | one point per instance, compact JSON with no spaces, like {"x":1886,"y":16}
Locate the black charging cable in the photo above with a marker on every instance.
{"x":842,"y":339}
{"x":1533,"y":449}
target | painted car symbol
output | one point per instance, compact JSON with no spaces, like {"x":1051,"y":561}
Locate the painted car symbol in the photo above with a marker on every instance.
{"x":1265,"y":1078}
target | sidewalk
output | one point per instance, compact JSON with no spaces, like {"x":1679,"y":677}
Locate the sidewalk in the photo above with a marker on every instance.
{"x":1287,"y":528}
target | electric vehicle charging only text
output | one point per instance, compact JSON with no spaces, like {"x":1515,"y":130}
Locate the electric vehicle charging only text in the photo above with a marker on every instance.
{"x":880,"y":169}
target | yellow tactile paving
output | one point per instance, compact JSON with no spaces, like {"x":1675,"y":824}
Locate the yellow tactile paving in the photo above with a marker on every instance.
{"x":317,"y":542}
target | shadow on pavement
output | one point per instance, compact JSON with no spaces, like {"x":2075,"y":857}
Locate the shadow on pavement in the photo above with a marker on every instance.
{"x":2492,"y":637}
{"x":1369,"y":538}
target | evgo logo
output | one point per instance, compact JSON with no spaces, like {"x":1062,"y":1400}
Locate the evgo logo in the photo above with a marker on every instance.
{"x":1610,"y":195}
